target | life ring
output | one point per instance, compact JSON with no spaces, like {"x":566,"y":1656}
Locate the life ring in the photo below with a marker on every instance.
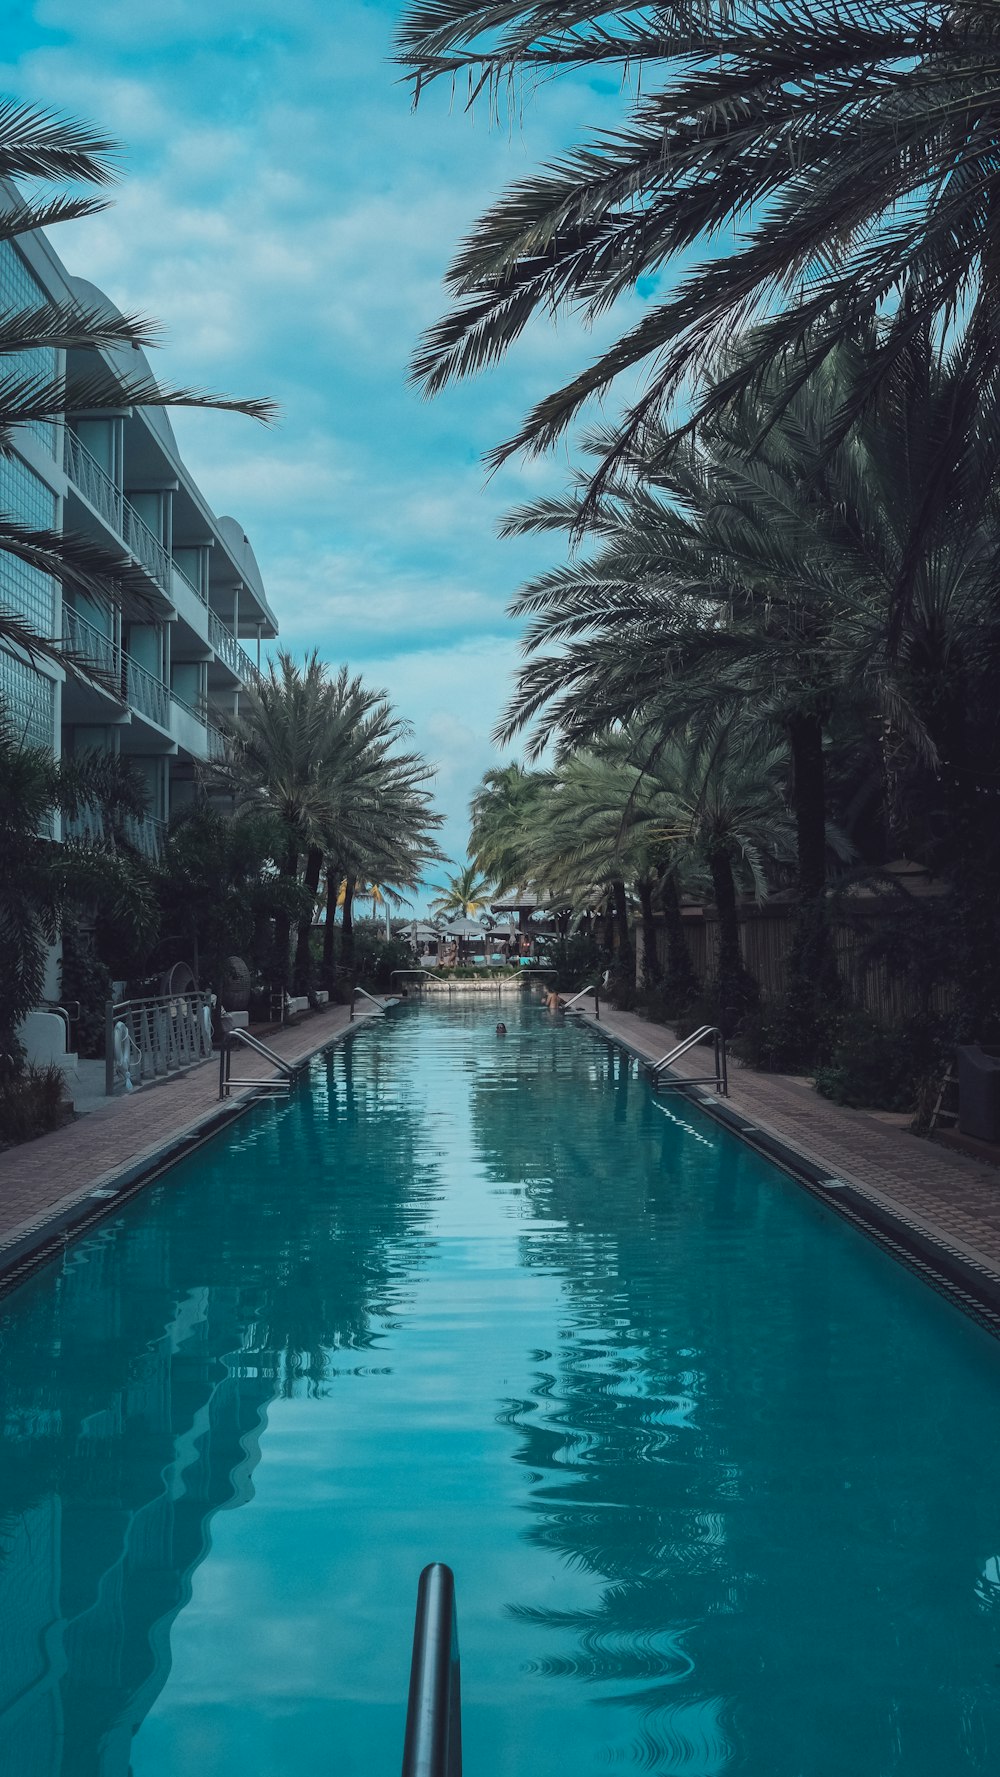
{"x":125,"y":1048}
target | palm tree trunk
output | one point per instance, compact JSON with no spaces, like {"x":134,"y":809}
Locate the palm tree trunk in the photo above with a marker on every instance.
{"x":651,"y":971}
{"x":620,"y":904}
{"x":347,"y":923}
{"x":333,"y":878}
{"x":805,"y":734}
{"x":682,"y":980}
{"x":303,"y":960}
{"x":609,"y":926}
{"x":737,"y":989}
{"x":283,"y":921}
{"x":812,"y":965}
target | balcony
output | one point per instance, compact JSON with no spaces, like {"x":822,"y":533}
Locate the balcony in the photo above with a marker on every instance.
{"x":145,"y":693}
{"x":223,"y":643}
{"x":116,"y":672}
{"x":90,"y":826}
{"x":91,"y":645}
{"x":106,"y":497}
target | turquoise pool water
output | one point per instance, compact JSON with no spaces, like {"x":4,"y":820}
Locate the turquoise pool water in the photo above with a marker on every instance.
{"x":720,"y":1482}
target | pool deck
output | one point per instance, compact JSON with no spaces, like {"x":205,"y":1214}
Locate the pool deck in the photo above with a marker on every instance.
{"x":940,"y":1206}
{"x":46,"y":1185}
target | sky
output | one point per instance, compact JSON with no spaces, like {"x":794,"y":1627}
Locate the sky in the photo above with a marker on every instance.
{"x":289,"y":217}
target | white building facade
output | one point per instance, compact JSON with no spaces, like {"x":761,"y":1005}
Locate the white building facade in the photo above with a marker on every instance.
{"x":167,"y":664}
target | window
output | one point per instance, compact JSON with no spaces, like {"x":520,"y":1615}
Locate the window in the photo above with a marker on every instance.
{"x":22,"y":588}
{"x":20,"y":289}
{"x":27,"y":700}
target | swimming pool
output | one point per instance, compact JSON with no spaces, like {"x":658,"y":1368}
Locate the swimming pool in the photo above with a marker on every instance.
{"x":719,"y":1480}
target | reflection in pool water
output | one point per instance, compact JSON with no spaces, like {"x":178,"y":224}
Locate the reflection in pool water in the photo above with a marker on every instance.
{"x":718,"y":1479}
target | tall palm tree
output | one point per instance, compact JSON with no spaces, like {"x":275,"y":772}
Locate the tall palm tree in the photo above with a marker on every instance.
{"x":384,"y":832}
{"x":464,"y":894}
{"x":775,"y":577}
{"x":738,"y":822}
{"x":41,"y":144}
{"x":840,"y":158}
{"x":500,"y":807}
{"x":321,"y":753}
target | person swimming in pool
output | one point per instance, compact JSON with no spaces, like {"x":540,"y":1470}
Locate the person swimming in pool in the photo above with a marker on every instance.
{"x":501,"y":1030}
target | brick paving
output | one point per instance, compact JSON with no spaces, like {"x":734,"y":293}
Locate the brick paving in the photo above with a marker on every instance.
{"x":45,"y":1179}
{"x":954,"y":1200}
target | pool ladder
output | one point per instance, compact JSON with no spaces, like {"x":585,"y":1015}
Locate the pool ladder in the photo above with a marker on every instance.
{"x":719,"y":1079}
{"x":571,"y":1005}
{"x":226,"y":1078}
{"x":433,"y":1743}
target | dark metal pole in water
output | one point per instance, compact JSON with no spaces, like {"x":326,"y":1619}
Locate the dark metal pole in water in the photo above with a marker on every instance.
{"x":433,"y":1745}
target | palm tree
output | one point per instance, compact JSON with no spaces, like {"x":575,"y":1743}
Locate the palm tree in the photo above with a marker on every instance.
{"x":319,"y":753}
{"x":384,"y":832}
{"x":738,"y":822}
{"x":500,"y":807}
{"x":40,"y":144}
{"x":464,"y":895}
{"x":840,"y":158}
{"x":812,"y":589}
{"x":281,"y":756}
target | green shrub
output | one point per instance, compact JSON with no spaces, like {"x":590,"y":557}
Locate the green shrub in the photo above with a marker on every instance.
{"x":31,"y":1104}
{"x":729,"y":1010}
{"x":580,"y":960}
{"x":771,"y":1037}
{"x":83,"y":977}
{"x":375,"y":958}
{"x":885,"y":1068}
{"x":669,"y":1001}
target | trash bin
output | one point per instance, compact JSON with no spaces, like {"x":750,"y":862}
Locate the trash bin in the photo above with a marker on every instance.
{"x":978,"y":1093}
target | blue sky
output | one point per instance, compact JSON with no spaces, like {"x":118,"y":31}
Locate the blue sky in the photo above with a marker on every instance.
{"x":289,"y":218}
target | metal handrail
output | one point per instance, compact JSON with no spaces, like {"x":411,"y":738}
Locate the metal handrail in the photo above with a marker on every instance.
{"x":228,"y":1079}
{"x":93,"y":645}
{"x":705,"y":1030}
{"x":227,"y":647}
{"x":579,"y":996}
{"x":433,"y":1744}
{"x":166,"y":1033}
{"x":252,"y":1042}
{"x":720,"y":1078}
{"x":381,"y":1006}
{"x":145,"y":692}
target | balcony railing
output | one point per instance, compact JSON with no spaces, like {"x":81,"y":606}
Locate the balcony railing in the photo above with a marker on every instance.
{"x":90,"y":824}
{"x":93,"y":481}
{"x":145,"y":693}
{"x":225,"y":645}
{"x":106,"y":496}
{"x":89,"y":643}
{"x":215,"y":746}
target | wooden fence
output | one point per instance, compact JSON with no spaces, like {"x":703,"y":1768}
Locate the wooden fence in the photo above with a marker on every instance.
{"x":766,"y":938}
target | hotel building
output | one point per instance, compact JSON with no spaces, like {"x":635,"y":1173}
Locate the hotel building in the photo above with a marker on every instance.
{"x":166,"y":664}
